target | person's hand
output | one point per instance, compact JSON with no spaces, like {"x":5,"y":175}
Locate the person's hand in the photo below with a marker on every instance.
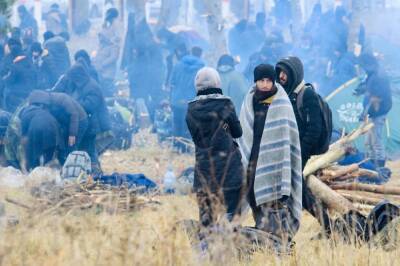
{"x":71,"y":140}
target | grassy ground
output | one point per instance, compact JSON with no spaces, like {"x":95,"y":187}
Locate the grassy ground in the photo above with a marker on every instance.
{"x":150,"y":236}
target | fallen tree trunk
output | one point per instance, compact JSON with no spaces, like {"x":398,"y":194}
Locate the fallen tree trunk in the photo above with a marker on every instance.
{"x":331,"y":198}
{"x":368,"y":188}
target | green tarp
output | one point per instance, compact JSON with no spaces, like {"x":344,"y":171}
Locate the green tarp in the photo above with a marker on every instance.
{"x":347,"y":108}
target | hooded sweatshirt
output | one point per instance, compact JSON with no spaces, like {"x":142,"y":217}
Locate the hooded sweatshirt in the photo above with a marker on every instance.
{"x":182,"y":80}
{"x":311,"y":127}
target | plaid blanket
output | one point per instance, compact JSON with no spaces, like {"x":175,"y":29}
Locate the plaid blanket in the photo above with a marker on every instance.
{"x":278,"y":171}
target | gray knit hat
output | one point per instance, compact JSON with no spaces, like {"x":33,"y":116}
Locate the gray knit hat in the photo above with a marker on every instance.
{"x":207,"y":78}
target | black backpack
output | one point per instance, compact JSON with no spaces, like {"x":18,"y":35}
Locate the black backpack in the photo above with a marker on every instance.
{"x":325,"y":138}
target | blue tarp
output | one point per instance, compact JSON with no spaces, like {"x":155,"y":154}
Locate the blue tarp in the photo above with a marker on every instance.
{"x":128,"y":180}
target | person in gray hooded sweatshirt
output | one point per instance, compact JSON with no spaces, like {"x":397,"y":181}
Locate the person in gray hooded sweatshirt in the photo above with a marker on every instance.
{"x":213,"y":124}
{"x":233,"y":83}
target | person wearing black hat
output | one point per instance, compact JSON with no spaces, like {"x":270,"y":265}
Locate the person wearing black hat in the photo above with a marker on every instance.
{"x":290,"y":75}
{"x":270,"y":148}
{"x":233,"y":83}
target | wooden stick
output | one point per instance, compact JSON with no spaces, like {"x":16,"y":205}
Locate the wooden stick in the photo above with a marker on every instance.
{"x":369,"y":173}
{"x":368,"y":188}
{"x":15,"y":202}
{"x":374,"y":198}
{"x":356,"y":198}
{"x":344,"y":170}
{"x":328,"y":196}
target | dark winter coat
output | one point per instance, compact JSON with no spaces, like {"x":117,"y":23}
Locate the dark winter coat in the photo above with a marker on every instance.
{"x":213,"y":123}
{"x":28,"y":22}
{"x":87,"y":92}
{"x":41,"y":130}
{"x":63,"y":107}
{"x":147,"y":69}
{"x":20,"y":81}
{"x":58,"y":59}
{"x":310,"y":120}
{"x":182,"y":80}
{"x":378,"y":86}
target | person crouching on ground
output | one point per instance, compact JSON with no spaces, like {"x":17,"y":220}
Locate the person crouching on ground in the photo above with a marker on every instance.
{"x":213,"y":125}
{"x":270,"y":149}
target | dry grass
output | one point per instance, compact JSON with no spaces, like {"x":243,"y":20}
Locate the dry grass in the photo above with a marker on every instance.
{"x":150,"y":236}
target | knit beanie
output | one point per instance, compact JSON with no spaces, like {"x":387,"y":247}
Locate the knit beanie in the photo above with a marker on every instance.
{"x":264,"y":71}
{"x":207,"y":78}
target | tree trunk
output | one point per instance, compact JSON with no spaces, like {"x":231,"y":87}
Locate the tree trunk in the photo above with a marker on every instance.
{"x":215,"y":29}
{"x":297,"y":20}
{"x":356,"y":6}
{"x":5,"y":14}
{"x":139,"y":7}
{"x":328,"y":196}
{"x":169,"y":13}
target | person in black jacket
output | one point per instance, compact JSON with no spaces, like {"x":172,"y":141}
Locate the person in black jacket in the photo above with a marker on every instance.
{"x":290,"y":74}
{"x":19,"y":76}
{"x":377,"y":104}
{"x":213,"y":125}
{"x":39,"y":136}
{"x":83,"y":57}
{"x":69,"y":114}
{"x":78,"y":84}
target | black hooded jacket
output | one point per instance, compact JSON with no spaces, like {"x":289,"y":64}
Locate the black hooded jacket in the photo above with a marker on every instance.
{"x":41,"y":130}
{"x":87,"y":92}
{"x":213,"y":124}
{"x":377,"y":85}
{"x":310,"y":122}
{"x":20,"y":81}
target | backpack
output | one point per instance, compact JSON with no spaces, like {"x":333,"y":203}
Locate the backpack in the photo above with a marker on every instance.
{"x":325,"y":138}
{"x":77,"y":165}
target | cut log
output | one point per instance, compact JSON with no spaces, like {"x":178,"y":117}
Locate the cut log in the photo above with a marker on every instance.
{"x":360,"y":199}
{"x":368,"y":188}
{"x":328,"y":196}
{"x":368,"y":197}
{"x":369,"y":173}
{"x":344,"y":170}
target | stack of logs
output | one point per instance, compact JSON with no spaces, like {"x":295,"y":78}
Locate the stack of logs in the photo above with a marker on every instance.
{"x":336,"y":185}
{"x":342,"y":179}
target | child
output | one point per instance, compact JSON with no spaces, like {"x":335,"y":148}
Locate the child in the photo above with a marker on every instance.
{"x":213,"y":124}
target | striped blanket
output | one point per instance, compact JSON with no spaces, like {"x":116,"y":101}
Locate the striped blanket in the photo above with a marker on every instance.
{"x":278,"y":171}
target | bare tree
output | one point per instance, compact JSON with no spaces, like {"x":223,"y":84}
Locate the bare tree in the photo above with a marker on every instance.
{"x":169,"y":13}
{"x":215,"y":29}
{"x":78,"y":12}
{"x":5,"y":13}
{"x":296,"y":19}
{"x":357,"y":8}
{"x":139,"y":7}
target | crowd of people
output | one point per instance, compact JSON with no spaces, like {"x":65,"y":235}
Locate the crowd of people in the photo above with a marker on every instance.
{"x":249,"y":143}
